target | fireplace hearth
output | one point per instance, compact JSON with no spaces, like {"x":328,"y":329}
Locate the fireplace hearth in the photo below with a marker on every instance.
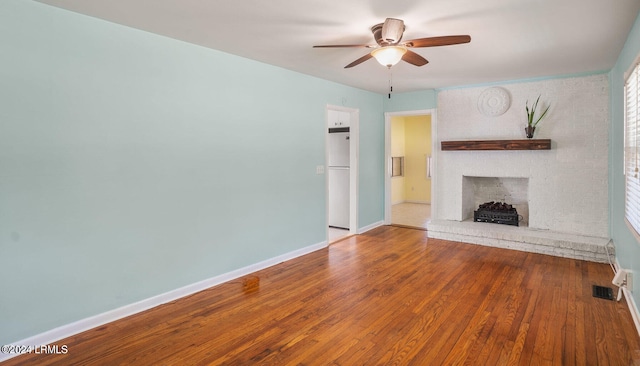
{"x":497,"y":213}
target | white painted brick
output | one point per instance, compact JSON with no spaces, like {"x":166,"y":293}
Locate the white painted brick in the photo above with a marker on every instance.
{"x":568,"y":185}
{"x":523,"y":239}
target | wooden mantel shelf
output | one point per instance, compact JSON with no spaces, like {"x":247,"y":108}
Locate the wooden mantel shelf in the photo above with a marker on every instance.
{"x":528,"y":144}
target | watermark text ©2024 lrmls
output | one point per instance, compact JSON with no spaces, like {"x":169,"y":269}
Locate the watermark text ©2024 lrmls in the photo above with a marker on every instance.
{"x":49,"y":349}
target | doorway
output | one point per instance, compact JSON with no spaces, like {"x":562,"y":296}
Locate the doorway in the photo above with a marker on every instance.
{"x":410,"y":159}
{"x":341,"y":124}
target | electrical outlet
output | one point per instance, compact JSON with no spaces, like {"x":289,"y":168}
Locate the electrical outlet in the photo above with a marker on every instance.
{"x":620,"y":277}
{"x":623,"y":278}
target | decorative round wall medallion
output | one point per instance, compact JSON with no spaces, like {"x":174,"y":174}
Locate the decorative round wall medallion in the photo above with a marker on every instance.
{"x":494,"y":101}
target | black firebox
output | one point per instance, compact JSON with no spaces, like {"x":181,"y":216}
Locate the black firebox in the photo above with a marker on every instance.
{"x":496,"y":213}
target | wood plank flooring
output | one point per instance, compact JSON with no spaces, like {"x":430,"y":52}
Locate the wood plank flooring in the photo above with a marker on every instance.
{"x":387,"y":297}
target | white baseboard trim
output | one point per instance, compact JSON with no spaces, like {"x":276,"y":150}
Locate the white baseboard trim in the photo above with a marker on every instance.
{"x":631,"y":303}
{"x":411,"y":201}
{"x":420,"y":202}
{"x":82,"y":325}
{"x":633,"y":308}
{"x":364,"y":229}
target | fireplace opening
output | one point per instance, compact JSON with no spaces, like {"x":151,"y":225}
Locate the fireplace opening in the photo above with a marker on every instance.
{"x":513,"y":191}
{"x":497,"y":213}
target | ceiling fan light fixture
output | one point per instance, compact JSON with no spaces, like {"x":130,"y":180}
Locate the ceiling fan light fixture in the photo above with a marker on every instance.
{"x":389,"y":55}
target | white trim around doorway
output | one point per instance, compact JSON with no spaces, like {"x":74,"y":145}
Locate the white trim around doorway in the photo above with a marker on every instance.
{"x":387,"y":158}
{"x":354,"y":157}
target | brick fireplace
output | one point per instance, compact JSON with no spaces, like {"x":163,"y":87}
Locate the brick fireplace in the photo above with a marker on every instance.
{"x":510,"y":190}
{"x":561,"y":193}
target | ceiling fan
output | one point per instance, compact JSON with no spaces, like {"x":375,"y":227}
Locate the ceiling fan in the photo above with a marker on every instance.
{"x":389,"y":50}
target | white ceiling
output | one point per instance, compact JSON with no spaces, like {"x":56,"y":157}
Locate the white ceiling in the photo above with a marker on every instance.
{"x":510,"y":39}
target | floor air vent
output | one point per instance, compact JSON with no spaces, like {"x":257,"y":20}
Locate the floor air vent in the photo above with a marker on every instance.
{"x":602,"y":292}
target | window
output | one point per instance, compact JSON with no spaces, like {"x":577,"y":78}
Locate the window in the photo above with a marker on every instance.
{"x":397,"y":166}
{"x":632,"y":148}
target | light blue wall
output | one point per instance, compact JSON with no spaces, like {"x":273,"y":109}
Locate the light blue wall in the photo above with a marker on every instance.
{"x":133,"y":164}
{"x":627,"y":247}
{"x":413,"y":101}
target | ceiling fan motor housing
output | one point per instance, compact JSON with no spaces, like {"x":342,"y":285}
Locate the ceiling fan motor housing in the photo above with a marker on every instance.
{"x":392,"y":30}
{"x":389,"y":32}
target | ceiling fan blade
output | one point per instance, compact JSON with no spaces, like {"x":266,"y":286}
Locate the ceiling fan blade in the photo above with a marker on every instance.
{"x":392,"y":30}
{"x":414,"y":59}
{"x":359,"y":61}
{"x":344,"y":46}
{"x":438,"y":41}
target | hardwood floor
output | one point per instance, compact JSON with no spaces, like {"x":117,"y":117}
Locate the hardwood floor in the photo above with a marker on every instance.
{"x":389,"y":296}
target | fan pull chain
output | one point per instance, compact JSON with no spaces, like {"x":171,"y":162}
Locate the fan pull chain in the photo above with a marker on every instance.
{"x":390,"y":80}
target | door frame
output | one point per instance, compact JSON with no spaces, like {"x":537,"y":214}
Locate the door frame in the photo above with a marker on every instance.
{"x":387,"y":159}
{"x":354,"y":143}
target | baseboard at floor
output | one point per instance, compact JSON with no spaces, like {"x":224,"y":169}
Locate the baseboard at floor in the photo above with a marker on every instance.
{"x":631,"y":303}
{"x":409,"y":227}
{"x":68,"y":330}
{"x":364,"y":229}
{"x":633,"y":308}
{"x":411,"y":201}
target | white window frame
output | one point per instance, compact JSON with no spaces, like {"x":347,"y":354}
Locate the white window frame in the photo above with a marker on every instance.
{"x":632,"y":147}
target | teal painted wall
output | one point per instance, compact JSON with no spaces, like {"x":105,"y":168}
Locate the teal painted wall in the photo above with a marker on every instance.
{"x":413,"y":101}
{"x":133,"y":164}
{"x":627,"y":247}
